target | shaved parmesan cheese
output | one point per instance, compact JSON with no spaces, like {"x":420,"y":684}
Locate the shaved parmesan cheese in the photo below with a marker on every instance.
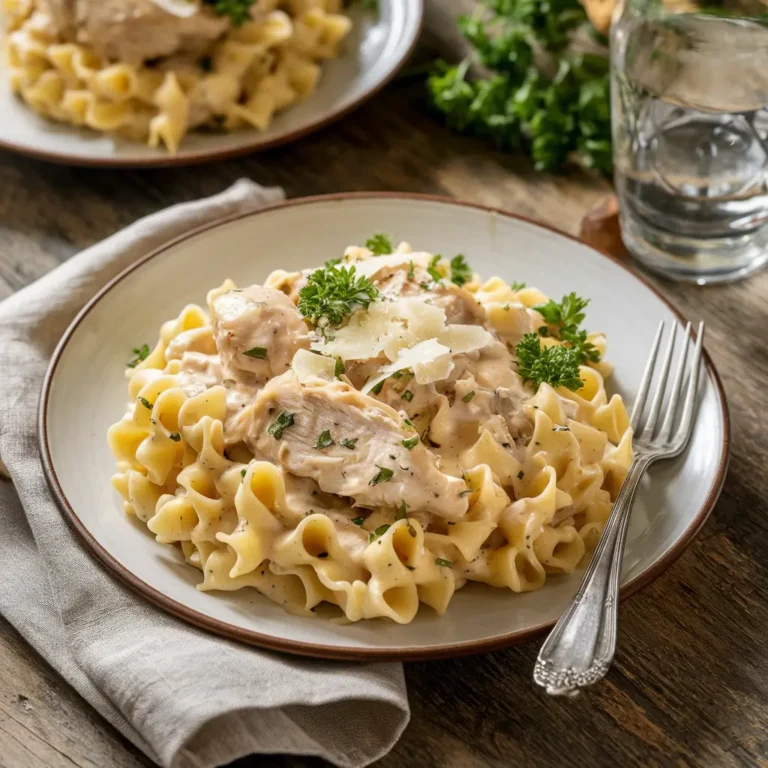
{"x":181,"y":8}
{"x":387,"y":326}
{"x":307,"y":365}
{"x":427,"y":359}
{"x":370,"y":267}
{"x":465,"y":338}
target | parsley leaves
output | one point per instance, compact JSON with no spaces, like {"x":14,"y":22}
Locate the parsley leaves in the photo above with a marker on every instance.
{"x":434,"y":273}
{"x":411,"y":442}
{"x":324,"y":440}
{"x":557,"y":365}
{"x":379,"y":245}
{"x":461,"y":272}
{"x":468,"y":397}
{"x":444,"y":563}
{"x":283,"y":421}
{"x":260,"y":353}
{"x":564,"y":320}
{"x":175,"y":436}
{"x":516,"y":286}
{"x":238,"y":10}
{"x":139,"y":355}
{"x":146,"y":403}
{"x":357,"y":520}
{"x":339,"y":369}
{"x":383,"y":475}
{"x":331,"y":294}
{"x":380,"y":531}
{"x":350,"y":442}
{"x":516,"y":105}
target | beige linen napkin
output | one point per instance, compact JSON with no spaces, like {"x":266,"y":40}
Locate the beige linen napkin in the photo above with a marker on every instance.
{"x":185,"y":697}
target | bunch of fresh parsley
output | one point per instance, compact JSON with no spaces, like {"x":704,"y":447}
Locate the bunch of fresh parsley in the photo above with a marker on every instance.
{"x":516,"y":105}
{"x":563,"y":321}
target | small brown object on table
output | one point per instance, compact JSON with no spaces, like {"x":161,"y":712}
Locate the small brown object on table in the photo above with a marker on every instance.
{"x":690,"y":682}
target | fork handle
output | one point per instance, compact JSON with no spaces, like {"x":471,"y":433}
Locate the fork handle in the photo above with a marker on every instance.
{"x":581,"y":647}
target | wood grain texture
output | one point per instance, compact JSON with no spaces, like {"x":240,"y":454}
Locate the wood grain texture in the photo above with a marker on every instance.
{"x":690,"y":684}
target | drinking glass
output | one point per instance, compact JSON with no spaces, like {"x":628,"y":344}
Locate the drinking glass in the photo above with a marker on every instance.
{"x":689,"y":91}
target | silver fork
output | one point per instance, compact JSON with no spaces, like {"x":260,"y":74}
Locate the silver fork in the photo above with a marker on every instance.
{"x":581,"y":647}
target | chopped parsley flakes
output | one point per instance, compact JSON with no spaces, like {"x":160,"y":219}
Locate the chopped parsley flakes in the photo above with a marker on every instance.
{"x":324,"y":440}
{"x":443,"y":562}
{"x":468,"y":397}
{"x":146,"y":403}
{"x":283,"y":421}
{"x":350,"y":442}
{"x":383,"y":475}
{"x":175,"y":436}
{"x":260,"y":353}
{"x":139,"y":355}
{"x":411,"y":442}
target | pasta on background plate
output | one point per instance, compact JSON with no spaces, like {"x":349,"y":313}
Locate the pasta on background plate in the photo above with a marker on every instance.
{"x":151,"y":71}
{"x":374,"y":434}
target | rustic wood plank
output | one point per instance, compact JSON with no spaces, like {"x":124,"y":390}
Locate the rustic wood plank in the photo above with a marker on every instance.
{"x":690,"y":686}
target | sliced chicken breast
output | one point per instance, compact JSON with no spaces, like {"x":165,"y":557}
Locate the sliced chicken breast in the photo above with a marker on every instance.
{"x":350,"y":444}
{"x":134,"y":31}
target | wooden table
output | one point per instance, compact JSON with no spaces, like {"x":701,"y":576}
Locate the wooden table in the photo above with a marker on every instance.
{"x":690,"y":683}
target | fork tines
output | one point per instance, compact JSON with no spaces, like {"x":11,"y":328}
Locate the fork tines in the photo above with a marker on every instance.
{"x":672,"y":434}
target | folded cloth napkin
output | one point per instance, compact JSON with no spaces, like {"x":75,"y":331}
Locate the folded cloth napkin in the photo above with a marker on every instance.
{"x":185,"y":697}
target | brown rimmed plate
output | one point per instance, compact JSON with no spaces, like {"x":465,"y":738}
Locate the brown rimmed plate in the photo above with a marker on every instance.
{"x":85,"y":391}
{"x":375,"y":49}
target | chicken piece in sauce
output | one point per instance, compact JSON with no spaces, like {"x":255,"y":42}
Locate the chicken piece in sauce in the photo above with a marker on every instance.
{"x":366,"y":459}
{"x":134,"y":31}
{"x":258,"y":331}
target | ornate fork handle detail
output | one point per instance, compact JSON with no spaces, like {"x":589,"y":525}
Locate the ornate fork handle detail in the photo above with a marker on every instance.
{"x":581,"y":647}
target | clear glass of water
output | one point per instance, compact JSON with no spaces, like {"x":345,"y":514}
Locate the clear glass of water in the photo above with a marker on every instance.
{"x":690,"y":130}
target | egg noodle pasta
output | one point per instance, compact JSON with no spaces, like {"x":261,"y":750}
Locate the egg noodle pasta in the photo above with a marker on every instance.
{"x":361,"y":436}
{"x":247,"y":75}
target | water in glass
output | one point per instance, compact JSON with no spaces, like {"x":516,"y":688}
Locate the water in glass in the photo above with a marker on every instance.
{"x":690,"y":123}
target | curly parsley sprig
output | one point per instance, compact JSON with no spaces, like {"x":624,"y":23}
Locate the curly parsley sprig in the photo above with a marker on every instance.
{"x":557,"y":365}
{"x":563,"y":321}
{"x":333,"y":293}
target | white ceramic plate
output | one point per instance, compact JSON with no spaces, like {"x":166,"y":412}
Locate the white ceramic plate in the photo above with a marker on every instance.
{"x":375,"y":49}
{"x":85,"y":390}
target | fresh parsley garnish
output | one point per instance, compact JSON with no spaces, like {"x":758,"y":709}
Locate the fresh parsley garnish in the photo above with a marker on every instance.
{"x":380,"y":531}
{"x":382,"y":476}
{"x":324,"y":440}
{"x":175,"y":436}
{"x":410,"y":269}
{"x":409,"y":422}
{"x":243,"y":472}
{"x":516,"y":286}
{"x":379,"y":245}
{"x":377,"y":389}
{"x":411,"y":442}
{"x":468,"y":397}
{"x":402,"y":511}
{"x":332,"y":263}
{"x":146,"y":403}
{"x":563,"y":320}
{"x":140,"y":354}
{"x":407,"y":395}
{"x":434,"y":273}
{"x":350,"y":442}
{"x":461,"y":272}
{"x":283,"y":421}
{"x":520,"y":475}
{"x":237,"y":10}
{"x":443,"y":562}
{"x":357,"y":520}
{"x":557,"y":365}
{"x":260,"y":353}
{"x":339,"y":369}
{"x":334,"y":294}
